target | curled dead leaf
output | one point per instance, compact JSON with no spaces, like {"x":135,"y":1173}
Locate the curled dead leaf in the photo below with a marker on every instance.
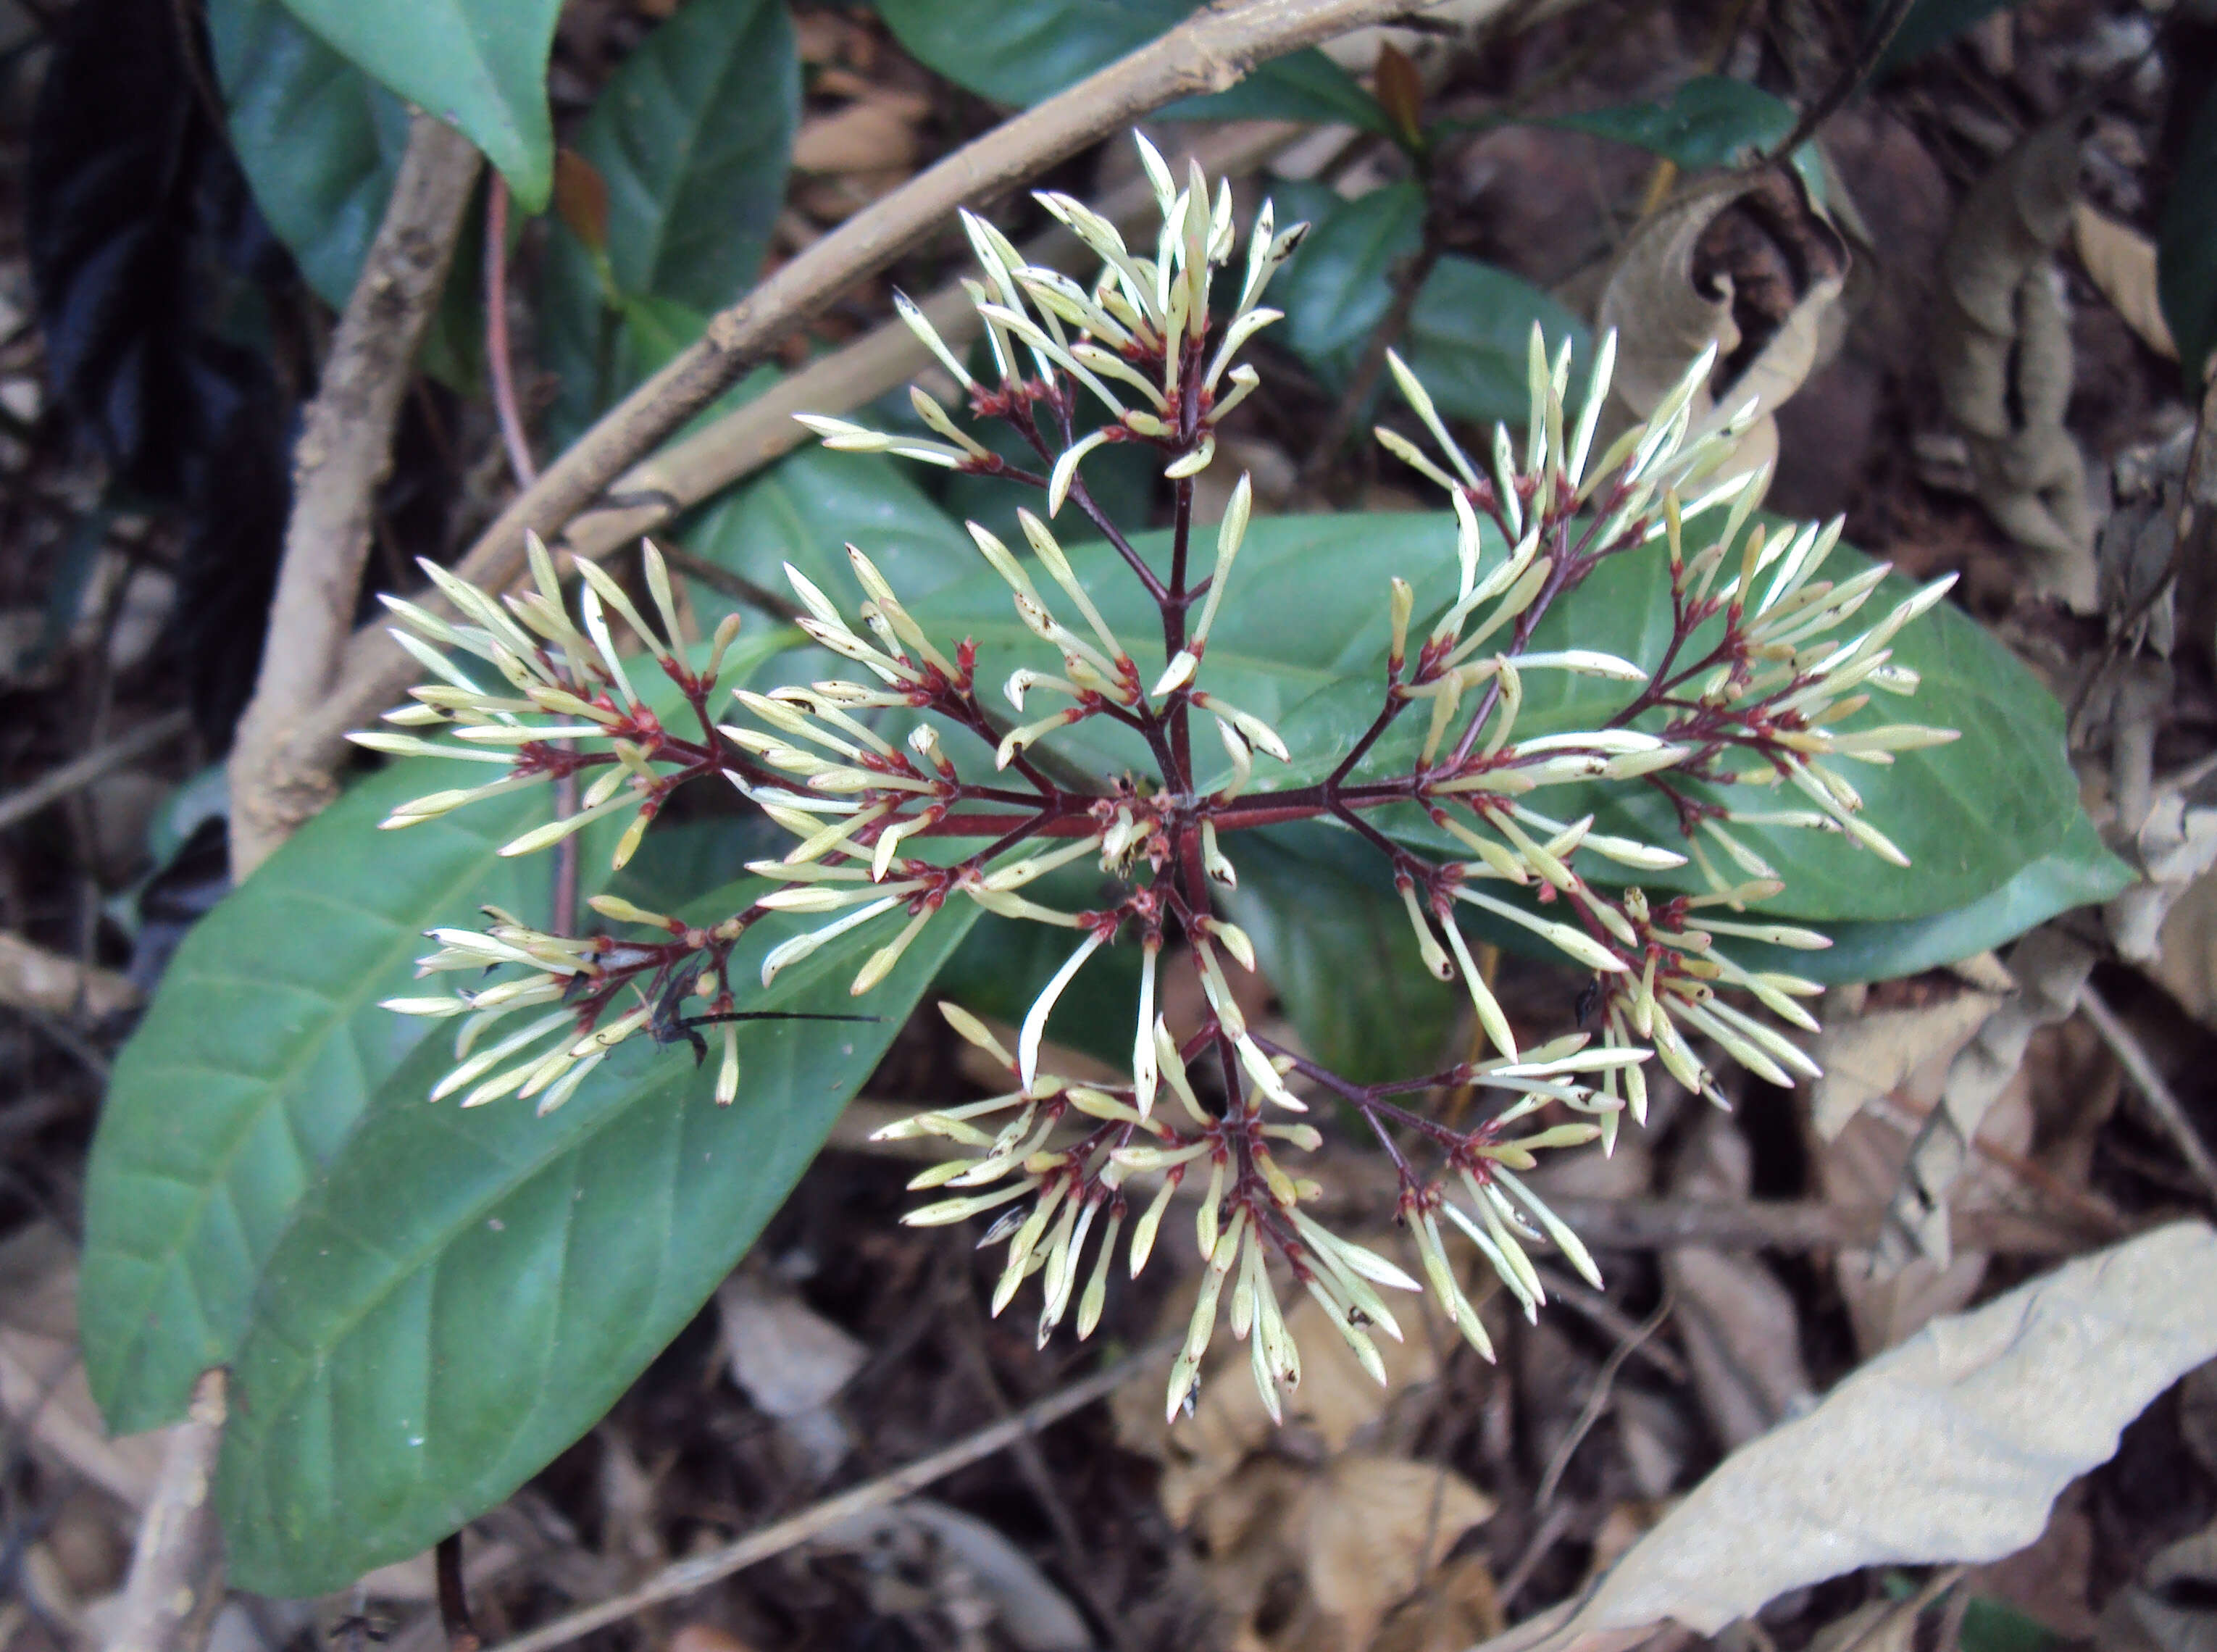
{"x":2002,"y":351}
{"x":1736,"y":1322}
{"x":2120,"y":261}
{"x":1749,"y":264}
{"x":1950,"y":1447}
{"x":1377,"y":1527}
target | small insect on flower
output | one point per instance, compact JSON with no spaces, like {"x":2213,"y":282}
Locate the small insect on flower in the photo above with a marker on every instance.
{"x":904,"y":790}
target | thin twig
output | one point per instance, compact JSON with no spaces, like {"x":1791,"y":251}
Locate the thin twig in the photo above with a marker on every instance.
{"x":1031,"y":1464}
{"x":1581,"y":1298}
{"x":500,"y":366}
{"x":345,"y":451}
{"x":2153,"y":1090}
{"x":1210,"y":51}
{"x":1876,"y":39}
{"x":1604,"y":1386}
{"x":80,"y":772}
{"x":700,"y":1571}
{"x":454,"y":1597}
{"x":32,"y":978}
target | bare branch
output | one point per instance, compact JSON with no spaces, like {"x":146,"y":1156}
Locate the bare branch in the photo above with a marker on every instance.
{"x":345,"y":452}
{"x":1210,"y":51}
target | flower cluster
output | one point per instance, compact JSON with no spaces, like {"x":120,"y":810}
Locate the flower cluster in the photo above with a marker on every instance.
{"x":903,"y":787}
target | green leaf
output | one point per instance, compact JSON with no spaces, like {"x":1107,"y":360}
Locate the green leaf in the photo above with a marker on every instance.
{"x":1005,"y":962}
{"x":478,"y":65}
{"x":2081,"y":873}
{"x":808,"y":508}
{"x":692,"y":135}
{"x":677,"y":859}
{"x":260,"y":1051}
{"x":1019,"y":52}
{"x":320,"y":142}
{"x":1330,"y":934}
{"x":1467,"y":333}
{"x":467,"y":1292}
{"x":265,"y":1043}
{"x":1301,"y":642}
{"x":2186,"y":251}
{"x":1337,"y":287}
{"x":1710,"y":121}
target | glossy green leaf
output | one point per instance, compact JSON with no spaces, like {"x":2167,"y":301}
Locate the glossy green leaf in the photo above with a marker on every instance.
{"x":1004,"y":962}
{"x":265,"y":1043}
{"x":1301,"y":642}
{"x":1969,"y":816}
{"x":2080,"y":873}
{"x":1018,"y":52}
{"x":1338,"y":286}
{"x":478,"y":65}
{"x":679,"y":860}
{"x":467,"y":1292}
{"x":808,"y":508}
{"x":1467,"y":333}
{"x":320,"y":144}
{"x":1330,"y":933}
{"x":254,"y":1059}
{"x":2186,"y":251}
{"x":1710,"y":121}
{"x":692,"y":135}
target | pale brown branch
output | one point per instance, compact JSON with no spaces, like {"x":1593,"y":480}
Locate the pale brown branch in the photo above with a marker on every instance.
{"x":345,"y":451}
{"x":2168,"y":1111}
{"x":764,"y":430}
{"x":700,"y":1571}
{"x":1209,"y":52}
{"x":32,"y":978}
{"x":176,"y":1569}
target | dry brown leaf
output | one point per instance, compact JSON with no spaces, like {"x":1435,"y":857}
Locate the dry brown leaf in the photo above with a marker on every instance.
{"x":790,"y":1361}
{"x":2002,"y":352}
{"x":871,"y":135}
{"x":1368,"y":1522}
{"x":1948,"y":1448}
{"x":42,"y":1384}
{"x":2176,"y":846}
{"x":1738,"y":1323}
{"x":1746,"y":264}
{"x":1337,"y":1400}
{"x":1458,"y":1608}
{"x":2120,"y":261}
{"x":1903,"y":1054}
{"x":2050,"y":967}
{"x":1863,"y":1166}
{"x":1868,"y":1056}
